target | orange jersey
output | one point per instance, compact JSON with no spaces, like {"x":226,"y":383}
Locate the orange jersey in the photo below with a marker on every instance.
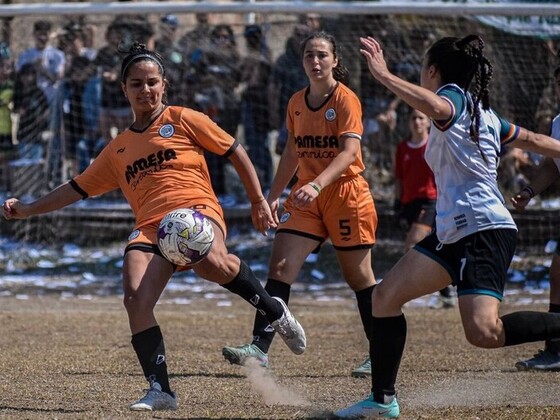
{"x":161,"y":168}
{"x":317,"y":132}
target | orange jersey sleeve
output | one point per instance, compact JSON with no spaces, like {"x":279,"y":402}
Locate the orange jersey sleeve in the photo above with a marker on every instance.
{"x":318,"y":132}
{"x":161,"y":168}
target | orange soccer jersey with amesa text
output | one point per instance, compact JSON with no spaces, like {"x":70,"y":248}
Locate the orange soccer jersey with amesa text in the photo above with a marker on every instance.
{"x":161,"y":168}
{"x":317,"y":132}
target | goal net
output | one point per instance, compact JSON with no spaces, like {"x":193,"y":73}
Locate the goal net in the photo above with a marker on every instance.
{"x":66,"y":130}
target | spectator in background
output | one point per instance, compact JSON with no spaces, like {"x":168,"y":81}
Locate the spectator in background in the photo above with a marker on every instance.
{"x":115,"y":113}
{"x":6,"y":97}
{"x":380,"y":121}
{"x":77,"y":115}
{"x":49,"y":61}
{"x":198,"y":39}
{"x":218,"y":75}
{"x":416,"y":193}
{"x":256,"y":68}
{"x":515,"y":170}
{"x":288,"y":76}
{"x":33,"y":111}
{"x":135,"y":28}
{"x":222,"y":64}
{"x":72,"y":40}
{"x":175,"y":61}
{"x":312,"y":21}
{"x":88,"y":29}
{"x":192,"y":46}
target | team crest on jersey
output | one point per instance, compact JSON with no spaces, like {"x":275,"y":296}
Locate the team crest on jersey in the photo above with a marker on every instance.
{"x":134,"y":234}
{"x":330,"y":114}
{"x":166,"y":131}
{"x":284,"y":218}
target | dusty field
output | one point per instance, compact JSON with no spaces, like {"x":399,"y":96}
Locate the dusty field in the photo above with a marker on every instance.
{"x":72,"y":359}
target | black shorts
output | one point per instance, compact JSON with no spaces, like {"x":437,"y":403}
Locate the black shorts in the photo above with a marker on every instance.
{"x":478,"y":263}
{"x":149,"y":249}
{"x":421,"y":211}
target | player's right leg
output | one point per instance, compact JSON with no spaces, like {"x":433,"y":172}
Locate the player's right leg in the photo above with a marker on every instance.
{"x":145,"y":275}
{"x":288,"y":255}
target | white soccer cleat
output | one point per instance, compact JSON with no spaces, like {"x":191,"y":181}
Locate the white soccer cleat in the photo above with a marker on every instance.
{"x":290,"y":329}
{"x":155,"y":400}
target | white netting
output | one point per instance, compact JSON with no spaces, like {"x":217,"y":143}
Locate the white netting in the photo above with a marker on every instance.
{"x":521,"y":47}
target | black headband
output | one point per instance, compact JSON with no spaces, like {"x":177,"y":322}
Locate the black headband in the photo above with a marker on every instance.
{"x":137,"y":57}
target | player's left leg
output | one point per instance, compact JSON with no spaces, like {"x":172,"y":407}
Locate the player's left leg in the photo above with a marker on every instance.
{"x":415,"y":275}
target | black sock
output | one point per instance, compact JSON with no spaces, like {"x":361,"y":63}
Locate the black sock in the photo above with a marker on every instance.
{"x":263,"y":333}
{"x":246,"y":285}
{"x":149,"y":348}
{"x":388,"y":337}
{"x":552,"y":307}
{"x":363,"y":298}
{"x":528,"y":326}
{"x":553,"y":345}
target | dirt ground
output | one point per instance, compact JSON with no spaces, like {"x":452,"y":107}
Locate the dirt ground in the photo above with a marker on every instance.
{"x":72,"y":359}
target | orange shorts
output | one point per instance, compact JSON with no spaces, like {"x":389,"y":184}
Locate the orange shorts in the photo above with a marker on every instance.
{"x":145,"y":237}
{"x":344,"y":212}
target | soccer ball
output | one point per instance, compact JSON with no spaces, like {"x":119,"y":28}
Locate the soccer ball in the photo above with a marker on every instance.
{"x":185,"y":236}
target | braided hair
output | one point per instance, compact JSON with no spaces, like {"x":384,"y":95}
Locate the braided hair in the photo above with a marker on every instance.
{"x":340,"y":72}
{"x":459,"y":61}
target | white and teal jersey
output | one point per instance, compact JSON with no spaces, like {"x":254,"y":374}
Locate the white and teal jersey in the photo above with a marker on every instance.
{"x":469,"y":199}
{"x":555,"y":133}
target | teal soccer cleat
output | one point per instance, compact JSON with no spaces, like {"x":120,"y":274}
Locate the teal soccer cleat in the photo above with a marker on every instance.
{"x":369,"y":408}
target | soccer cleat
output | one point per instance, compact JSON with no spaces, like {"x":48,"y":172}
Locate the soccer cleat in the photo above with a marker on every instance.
{"x":441,"y":302}
{"x":290,"y":330}
{"x":362,"y":370}
{"x":544,"y":360}
{"x":369,"y":408}
{"x":155,"y":399}
{"x":239,"y":355}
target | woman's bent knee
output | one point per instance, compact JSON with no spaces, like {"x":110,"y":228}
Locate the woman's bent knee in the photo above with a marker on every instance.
{"x":385,"y":303}
{"x":483,"y":338}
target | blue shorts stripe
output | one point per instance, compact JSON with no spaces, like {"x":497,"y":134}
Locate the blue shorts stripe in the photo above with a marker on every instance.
{"x":480,"y":292}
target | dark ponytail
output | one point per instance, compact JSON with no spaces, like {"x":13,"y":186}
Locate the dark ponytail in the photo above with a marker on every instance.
{"x":460,"y":61}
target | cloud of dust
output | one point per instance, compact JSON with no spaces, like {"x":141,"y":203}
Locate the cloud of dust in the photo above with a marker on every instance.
{"x":264,"y":383}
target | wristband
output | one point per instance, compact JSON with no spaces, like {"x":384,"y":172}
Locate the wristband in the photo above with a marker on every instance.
{"x":529,"y":191}
{"x":315,"y":187}
{"x":258,"y":201}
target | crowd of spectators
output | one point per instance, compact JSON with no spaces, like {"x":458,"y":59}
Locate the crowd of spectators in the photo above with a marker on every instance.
{"x":61,"y":100}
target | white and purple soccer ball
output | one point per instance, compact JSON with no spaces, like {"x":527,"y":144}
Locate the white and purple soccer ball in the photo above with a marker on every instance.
{"x":185,"y":236}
